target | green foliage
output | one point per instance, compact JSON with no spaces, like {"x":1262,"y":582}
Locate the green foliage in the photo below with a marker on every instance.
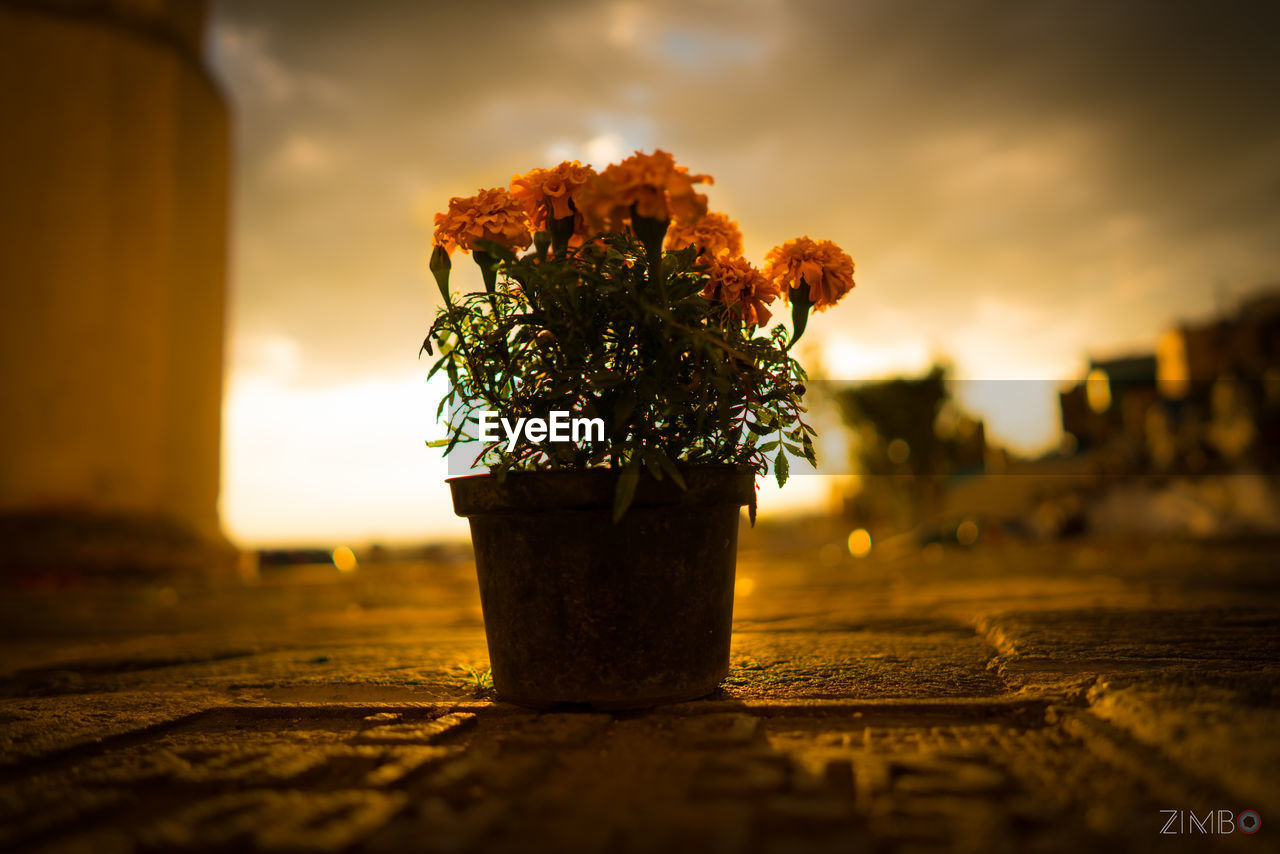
{"x":600,"y":332}
{"x":479,"y":681}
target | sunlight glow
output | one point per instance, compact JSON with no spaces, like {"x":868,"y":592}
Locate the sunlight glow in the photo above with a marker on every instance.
{"x":333,"y":464}
{"x":604,"y":149}
{"x":347,"y":463}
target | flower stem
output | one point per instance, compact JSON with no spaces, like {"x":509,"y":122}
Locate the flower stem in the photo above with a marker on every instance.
{"x":652,"y":233}
{"x":488,"y":270}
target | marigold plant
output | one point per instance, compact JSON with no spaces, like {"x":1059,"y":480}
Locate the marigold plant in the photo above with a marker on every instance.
{"x":668,"y":348}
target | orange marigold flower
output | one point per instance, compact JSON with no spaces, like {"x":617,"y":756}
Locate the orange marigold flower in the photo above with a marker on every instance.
{"x":489,"y":215}
{"x":823,"y":266}
{"x":559,"y":186}
{"x":714,"y":235}
{"x":650,"y":184}
{"x":738,"y":285}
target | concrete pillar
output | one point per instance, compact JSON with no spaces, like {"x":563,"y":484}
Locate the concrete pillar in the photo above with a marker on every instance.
{"x":113,"y":239}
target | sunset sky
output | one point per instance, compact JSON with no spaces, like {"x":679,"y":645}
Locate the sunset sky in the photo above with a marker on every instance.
{"x":1022,"y":185}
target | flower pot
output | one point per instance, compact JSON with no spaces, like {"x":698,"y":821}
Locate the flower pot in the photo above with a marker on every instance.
{"x":578,"y":609}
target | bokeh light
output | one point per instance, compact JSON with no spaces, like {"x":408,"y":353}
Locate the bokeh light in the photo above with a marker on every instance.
{"x":860,"y":543}
{"x":899,"y":451}
{"x":345,"y":559}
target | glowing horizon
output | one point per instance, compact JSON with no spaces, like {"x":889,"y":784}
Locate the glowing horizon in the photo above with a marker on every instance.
{"x":346,"y":463}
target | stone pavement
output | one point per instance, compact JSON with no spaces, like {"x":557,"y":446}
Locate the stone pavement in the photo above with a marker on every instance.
{"x":1002,"y":698}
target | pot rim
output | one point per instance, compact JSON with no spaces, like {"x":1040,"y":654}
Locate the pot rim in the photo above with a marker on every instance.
{"x":593,"y":490}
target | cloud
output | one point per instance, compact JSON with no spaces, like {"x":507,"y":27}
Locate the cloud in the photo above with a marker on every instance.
{"x":254,"y":73}
{"x":304,"y":156}
{"x":1021,"y":185}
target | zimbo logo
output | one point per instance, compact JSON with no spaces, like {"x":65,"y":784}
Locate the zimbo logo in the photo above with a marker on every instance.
{"x":1216,"y":822}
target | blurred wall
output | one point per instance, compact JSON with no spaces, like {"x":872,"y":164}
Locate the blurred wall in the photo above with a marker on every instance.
{"x":113,"y":243}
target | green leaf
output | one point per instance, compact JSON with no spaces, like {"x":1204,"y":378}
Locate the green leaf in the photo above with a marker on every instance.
{"x":457,"y":437}
{"x":809,"y":453}
{"x":671,"y":469}
{"x":651,"y":463}
{"x":781,"y":469}
{"x":624,"y":407}
{"x":435,"y":369}
{"x":626,"y":491}
{"x":604,"y":379}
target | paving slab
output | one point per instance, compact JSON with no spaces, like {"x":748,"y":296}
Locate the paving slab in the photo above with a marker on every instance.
{"x":1056,"y":698}
{"x":956,"y":776}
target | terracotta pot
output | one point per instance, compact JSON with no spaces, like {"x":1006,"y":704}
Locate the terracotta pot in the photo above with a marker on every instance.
{"x":578,"y":609}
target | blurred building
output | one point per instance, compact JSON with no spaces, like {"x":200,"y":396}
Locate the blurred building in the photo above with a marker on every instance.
{"x":1207,"y":400}
{"x":1110,"y":404}
{"x":113,"y":245}
{"x":1246,"y":344}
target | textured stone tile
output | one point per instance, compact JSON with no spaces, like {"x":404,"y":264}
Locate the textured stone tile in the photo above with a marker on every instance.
{"x":1102,"y":636}
{"x":938,"y":659}
{"x":276,"y":821}
{"x":428,"y":732}
{"x":38,"y":726}
{"x":896,"y":775}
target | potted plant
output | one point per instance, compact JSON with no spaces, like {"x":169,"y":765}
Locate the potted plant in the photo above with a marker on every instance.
{"x":624,"y":391}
